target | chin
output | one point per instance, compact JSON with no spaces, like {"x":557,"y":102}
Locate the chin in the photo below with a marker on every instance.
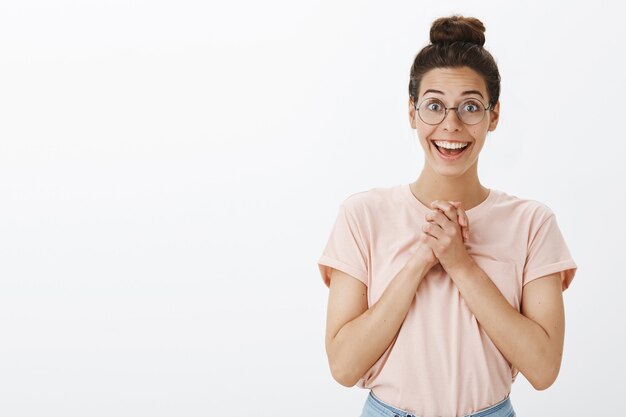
{"x":450,"y":172}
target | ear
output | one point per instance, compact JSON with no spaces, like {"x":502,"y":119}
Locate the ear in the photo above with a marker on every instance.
{"x":412,"y":114}
{"x":494,"y":117}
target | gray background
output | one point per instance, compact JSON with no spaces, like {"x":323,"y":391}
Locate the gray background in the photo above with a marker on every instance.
{"x":170,"y":172}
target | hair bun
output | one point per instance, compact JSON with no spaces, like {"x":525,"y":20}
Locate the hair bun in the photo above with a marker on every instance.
{"x":457,"y":28}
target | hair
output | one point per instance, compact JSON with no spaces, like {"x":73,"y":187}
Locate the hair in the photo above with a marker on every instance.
{"x":456,"y":41}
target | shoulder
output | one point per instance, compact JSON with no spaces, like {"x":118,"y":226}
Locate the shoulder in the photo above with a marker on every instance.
{"x":519,"y":208}
{"x":373,"y":201}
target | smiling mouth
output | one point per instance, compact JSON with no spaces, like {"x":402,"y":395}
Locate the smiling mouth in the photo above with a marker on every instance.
{"x":450,"y":153}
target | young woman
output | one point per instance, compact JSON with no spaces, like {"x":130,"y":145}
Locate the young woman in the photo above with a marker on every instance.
{"x":435,"y":300}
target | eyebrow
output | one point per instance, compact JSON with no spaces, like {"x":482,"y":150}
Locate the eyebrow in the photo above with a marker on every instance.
{"x":430,"y":90}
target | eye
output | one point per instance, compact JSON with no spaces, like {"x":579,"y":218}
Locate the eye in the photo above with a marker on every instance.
{"x":471,"y":106}
{"x":434,"y":106}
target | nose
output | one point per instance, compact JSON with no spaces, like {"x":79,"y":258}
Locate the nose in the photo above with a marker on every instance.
{"x":451,"y":121}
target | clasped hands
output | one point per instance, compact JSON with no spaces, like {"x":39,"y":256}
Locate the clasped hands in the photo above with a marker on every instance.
{"x":446,"y":230}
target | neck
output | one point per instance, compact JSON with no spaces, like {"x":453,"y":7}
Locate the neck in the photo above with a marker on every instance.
{"x":467,"y":188}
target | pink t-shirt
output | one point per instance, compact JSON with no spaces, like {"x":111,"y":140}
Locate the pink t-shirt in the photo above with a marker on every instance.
{"x":441,"y":362}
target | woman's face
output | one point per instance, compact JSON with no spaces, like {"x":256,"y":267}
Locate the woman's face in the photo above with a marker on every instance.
{"x":453,"y":83}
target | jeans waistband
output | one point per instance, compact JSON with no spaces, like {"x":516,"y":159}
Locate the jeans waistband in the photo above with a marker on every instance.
{"x":501,"y":408}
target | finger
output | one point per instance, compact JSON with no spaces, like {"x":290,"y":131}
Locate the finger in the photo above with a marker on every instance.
{"x":457,"y":205}
{"x":437,"y":217}
{"x":448,"y":209}
{"x":445,"y":224}
{"x":430,"y":241}
{"x":464,"y":227}
{"x":432,"y":229}
{"x":463,"y":219}
{"x":440,"y":219}
{"x":464,"y":233}
{"x":464,"y":222}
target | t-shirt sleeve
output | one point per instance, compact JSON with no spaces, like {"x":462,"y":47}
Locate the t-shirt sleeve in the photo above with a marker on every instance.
{"x":345,"y":250}
{"x":548,"y":253}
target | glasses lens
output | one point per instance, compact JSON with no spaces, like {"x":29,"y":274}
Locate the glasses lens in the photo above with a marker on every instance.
{"x":471,"y":111}
{"x":432,"y":111}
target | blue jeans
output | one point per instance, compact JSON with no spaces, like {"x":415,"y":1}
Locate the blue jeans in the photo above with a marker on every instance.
{"x":375,"y":407}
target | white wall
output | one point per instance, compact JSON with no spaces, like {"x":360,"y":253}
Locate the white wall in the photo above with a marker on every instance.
{"x":170,"y":171}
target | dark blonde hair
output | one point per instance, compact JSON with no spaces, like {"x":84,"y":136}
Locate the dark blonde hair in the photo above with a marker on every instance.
{"x":456,"y":41}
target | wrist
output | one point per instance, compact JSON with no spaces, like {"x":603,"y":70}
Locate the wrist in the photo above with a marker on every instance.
{"x":417,"y":266}
{"x":463,"y":267}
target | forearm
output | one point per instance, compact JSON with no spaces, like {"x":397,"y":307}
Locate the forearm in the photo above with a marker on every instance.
{"x":522,"y":341}
{"x":362,"y":341}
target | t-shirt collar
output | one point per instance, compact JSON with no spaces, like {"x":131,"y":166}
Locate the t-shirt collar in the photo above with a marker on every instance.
{"x":473,"y":213}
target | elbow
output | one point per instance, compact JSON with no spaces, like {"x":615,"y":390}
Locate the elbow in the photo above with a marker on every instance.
{"x":342,"y":374}
{"x":345,"y":380}
{"x":546,"y":370}
{"x":544,"y":379}
{"x":542,"y":385}
{"x":341,"y":369}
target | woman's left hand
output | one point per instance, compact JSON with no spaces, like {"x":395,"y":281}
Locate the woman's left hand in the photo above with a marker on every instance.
{"x":444,"y":235}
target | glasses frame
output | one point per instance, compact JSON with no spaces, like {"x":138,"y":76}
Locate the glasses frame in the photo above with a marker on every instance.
{"x":456,"y":110}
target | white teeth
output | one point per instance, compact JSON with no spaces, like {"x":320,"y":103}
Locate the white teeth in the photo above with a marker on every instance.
{"x":451,"y":145}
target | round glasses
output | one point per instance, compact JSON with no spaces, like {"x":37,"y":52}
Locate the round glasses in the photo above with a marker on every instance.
{"x":432,"y":111}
